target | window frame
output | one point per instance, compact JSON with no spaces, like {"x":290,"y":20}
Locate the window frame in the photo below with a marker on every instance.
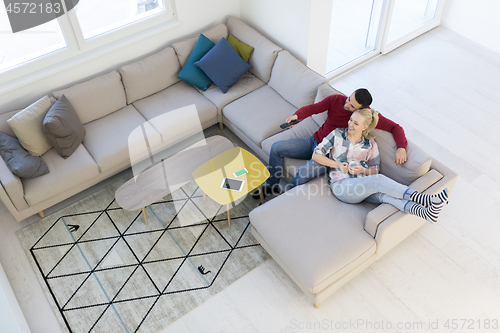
{"x":120,"y":32}
{"x":382,"y":45}
{"x":79,"y":50}
{"x":387,"y":46}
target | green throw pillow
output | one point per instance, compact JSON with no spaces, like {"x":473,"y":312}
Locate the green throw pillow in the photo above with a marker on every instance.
{"x":241,"y":48}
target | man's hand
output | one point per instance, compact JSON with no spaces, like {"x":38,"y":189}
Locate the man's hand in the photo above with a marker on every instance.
{"x":400,"y":156}
{"x":291,"y":118}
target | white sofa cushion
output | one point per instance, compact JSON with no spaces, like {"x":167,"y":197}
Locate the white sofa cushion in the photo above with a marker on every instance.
{"x":65,"y":173}
{"x":418,"y":161}
{"x":324,"y":91}
{"x":4,"y":126}
{"x":97,"y":97}
{"x":259,"y":113}
{"x":264,"y":53}
{"x":317,"y":237}
{"x":28,"y":126}
{"x":107,"y":137}
{"x":150,"y":75}
{"x":184,"y":47}
{"x":297,"y":83}
{"x":174,"y":97}
{"x":246,"y":84}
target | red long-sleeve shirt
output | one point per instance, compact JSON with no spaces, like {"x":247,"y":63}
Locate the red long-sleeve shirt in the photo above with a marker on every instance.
{"x":338,"y":118}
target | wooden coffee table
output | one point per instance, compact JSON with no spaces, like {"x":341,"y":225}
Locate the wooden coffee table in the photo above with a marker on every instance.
{"x":163,"y":178}
{"x":210,"y":174}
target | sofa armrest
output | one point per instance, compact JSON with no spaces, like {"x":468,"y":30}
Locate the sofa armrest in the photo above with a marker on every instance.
{"x":377,"y":216}
{"x":396,"y":227}
{"x":447,"y":181}
{"x":12,"y":186}
{"x":425,"y":183}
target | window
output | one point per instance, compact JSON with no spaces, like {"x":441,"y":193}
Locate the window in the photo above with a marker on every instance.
{"x":409,"y":16}
{"x":89,"y":25}
{"x":353,"y":31}
{"x":27,"y":45}
{"x":97,"y":17}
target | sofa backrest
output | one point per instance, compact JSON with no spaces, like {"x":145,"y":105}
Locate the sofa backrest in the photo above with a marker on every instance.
{"x":264,"y":53}
{"x":150,"y":75}
{"x":294,"y":81}
{"x":184,"y":47}
{"x":5,"y":127}
{"x":96,"y":97}
{"x":418,"y":161}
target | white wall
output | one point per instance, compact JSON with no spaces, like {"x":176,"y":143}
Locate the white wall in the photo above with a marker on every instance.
{"x":474,"y":19}
{"x":285,"y":22}
{"x":319,"y":34}
{"x":195,"y":16}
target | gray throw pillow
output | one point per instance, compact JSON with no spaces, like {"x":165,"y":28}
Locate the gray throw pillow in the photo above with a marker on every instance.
{"x":63,"y":127}
{"x":19,"y":161}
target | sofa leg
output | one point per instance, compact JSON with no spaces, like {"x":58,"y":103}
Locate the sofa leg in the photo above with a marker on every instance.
{"x":316,"y":306}
{"x":42,"y":214}
{"x":221,"y":125}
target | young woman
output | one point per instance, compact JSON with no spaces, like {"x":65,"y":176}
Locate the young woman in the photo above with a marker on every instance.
{"x":354,"y":161}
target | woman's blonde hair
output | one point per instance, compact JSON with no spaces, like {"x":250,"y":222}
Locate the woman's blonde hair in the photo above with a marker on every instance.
{"x":371,"y":119}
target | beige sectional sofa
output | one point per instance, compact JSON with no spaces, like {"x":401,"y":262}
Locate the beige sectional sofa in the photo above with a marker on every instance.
{"x":319,"y":241}
{"x":148,"y":93}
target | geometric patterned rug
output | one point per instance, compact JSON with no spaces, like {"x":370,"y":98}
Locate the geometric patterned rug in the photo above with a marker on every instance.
{"x":104,"y":270}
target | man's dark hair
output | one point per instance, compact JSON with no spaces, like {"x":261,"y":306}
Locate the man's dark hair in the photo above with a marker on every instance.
{"x":363,"y":97}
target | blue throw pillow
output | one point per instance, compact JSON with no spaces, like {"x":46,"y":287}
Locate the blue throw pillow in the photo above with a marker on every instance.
{"x":223,"y":65}
{"x":192,"y":74}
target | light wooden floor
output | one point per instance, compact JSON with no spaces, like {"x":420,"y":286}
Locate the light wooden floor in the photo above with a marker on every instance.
{"x":444,"y":90}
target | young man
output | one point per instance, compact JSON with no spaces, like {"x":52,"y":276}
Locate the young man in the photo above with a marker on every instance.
{"x":340,"y":109}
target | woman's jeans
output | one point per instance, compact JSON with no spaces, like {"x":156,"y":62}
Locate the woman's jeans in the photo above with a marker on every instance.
{"x":294,"y":148}
{"x":375,"y":188}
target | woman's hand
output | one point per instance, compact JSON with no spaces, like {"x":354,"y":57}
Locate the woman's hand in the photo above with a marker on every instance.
{"x":356,"y":170}
{"x":344,"y":167}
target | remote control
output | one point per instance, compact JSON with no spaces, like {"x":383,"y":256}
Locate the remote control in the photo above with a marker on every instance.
{"x":293,"y":122}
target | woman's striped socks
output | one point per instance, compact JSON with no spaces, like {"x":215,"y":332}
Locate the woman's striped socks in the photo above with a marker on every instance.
{"x":430,"y":214}
{"x":426,"y":200}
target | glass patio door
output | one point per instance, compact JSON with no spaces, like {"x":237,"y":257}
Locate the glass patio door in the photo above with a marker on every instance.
{"x":409,"y":19}
{"x":354,"y":31}
{"x":362,"y":29}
